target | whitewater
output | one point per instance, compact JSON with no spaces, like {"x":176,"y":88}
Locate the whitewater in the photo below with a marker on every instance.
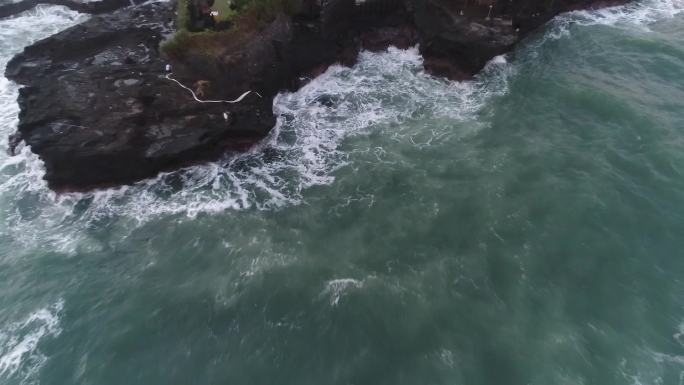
{"x":519,"y":228}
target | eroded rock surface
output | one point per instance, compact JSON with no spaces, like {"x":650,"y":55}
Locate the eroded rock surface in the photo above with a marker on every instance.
{"x":99,"y":111}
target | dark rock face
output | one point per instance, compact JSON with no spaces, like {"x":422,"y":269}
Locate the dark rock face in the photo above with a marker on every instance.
{"x":458,"y":46}
{"x":458,"y":37}
{"x":99,"y":111}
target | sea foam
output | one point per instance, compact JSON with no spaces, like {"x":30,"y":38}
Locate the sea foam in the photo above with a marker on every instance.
{"x":20,"y":356}
{"x":302,"y":151}
{"x":305,"y":149}
{"x":639,"y":14}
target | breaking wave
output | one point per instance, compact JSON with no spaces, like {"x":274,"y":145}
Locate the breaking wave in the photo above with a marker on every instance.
{"x":20,"y":356}
{"x":639,"y":14}
{"x":306,"y":147}
{"x":302,"y":151}
{"x":338,"y":288}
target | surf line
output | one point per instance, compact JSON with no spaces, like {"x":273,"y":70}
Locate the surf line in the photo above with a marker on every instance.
{"x":238,"y":100}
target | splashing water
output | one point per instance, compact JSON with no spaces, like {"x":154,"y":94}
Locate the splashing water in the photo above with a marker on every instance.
{"x":390,"y":215}
{"x":19,"y":353}
{"x":640,"y":15}
{"x":303,"y":149}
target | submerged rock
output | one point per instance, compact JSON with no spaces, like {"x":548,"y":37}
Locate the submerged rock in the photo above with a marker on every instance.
{"x":99,"y":110}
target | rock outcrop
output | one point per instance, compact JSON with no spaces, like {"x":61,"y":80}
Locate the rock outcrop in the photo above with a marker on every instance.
{"x":99,"y":110}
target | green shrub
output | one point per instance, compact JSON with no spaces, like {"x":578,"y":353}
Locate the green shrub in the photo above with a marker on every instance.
{"x":245,"y":16}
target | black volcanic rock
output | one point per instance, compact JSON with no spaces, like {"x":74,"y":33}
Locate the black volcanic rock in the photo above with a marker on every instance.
{"x":458,"y":46}
{"x":459,"y":37}
{"x":93,"y":7}
{"x":98,"y":109}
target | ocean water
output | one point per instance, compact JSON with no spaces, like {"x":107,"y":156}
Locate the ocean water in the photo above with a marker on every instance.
{"x":526,"y":227}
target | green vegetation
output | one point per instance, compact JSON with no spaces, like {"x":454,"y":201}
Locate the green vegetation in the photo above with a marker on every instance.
{"x":242,"y":17}
{"x":225,"y":12}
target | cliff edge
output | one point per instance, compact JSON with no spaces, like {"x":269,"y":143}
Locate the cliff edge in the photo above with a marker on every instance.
{"x":101,"y":107}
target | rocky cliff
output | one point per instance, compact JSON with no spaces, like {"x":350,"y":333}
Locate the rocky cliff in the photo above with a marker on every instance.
{"x":99,"y":109}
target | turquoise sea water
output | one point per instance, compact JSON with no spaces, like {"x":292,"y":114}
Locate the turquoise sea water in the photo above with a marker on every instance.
{"x":523,"y":228}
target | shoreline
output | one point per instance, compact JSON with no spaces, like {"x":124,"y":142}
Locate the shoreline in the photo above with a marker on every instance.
{"x":119,"y":120}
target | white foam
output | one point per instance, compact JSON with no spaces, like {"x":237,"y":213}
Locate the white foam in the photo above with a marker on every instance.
{"x":638,"y":14}
{"x":20,"y":356}
{"x":679,"y":335}
{"x":21,"y":176}
{"x":651,"y":366}
{"x":305,"y":149}
{"x":338,"y":288}
{"x":498,"y":60}
{"x":16,"y":33}
{"x":302,"y":151}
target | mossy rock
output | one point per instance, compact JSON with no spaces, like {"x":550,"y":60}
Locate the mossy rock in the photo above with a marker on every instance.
{"x":241,"y":16}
